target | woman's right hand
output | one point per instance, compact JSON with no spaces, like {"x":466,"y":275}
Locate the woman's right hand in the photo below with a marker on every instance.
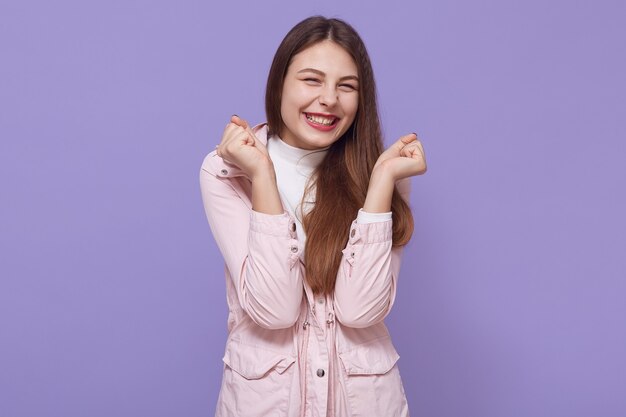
{"x":241,"y":147}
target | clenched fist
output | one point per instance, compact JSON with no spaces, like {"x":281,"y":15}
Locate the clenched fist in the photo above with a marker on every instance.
{"x":405,"y":158}
{"x":241,"y":147}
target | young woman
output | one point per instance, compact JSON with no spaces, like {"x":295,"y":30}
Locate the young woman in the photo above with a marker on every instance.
{"x":311,"y":216}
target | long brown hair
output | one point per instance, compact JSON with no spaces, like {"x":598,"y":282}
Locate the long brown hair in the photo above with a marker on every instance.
{"x":342,"y":178}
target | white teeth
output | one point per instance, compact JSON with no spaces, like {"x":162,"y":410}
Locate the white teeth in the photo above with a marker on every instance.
{"x":320,"y":120}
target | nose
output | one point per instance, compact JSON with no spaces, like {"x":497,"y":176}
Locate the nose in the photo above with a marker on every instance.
{"x":328,"y":96}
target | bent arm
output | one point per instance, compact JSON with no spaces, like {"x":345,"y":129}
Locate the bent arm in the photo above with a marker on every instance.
{"x":368,"y":274}
{"x":260,"y":250}
{"x":366,"y":282}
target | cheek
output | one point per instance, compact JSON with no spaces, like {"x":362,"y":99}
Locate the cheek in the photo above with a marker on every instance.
{"x":287,"y":105}
{"x":294,"y":94}
{"x":351,"y":106}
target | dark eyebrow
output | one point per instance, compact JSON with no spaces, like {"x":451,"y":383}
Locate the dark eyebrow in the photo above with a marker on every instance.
{"x":320,"y":73}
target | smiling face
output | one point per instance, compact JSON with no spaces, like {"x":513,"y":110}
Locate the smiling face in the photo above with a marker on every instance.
{"x":320,"y":96}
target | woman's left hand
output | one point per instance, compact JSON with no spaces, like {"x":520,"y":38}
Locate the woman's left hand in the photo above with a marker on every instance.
{"x":405,"y":158}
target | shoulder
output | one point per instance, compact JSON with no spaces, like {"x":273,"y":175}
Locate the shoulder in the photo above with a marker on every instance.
{"x":212,"y":163}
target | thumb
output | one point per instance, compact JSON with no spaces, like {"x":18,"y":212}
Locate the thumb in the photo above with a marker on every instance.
{"x":397,"y":146}
{"x":239,"y":121}
{"x":406,"y":139}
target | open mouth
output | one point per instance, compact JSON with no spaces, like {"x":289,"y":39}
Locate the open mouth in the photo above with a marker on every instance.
{"x":326,"y":121}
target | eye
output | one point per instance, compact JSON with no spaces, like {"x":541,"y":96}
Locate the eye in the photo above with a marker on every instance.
{"x":348,"y":87}
{"x":312,"y":80}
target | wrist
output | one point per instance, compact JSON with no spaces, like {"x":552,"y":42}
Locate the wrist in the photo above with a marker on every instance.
{"x":379,"y":192}
{"x":264,"y":172}
{"x":382,"y":176}
{"x":384,"y":172}
{"x":265,"y":195}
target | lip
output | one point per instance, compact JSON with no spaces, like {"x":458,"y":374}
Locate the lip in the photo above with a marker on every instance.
{"x":322,"y":114}
{"x":321,"y":127}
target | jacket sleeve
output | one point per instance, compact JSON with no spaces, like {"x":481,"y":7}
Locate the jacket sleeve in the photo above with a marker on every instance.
{"x":261,"y":252}
{"x":367,"y":278}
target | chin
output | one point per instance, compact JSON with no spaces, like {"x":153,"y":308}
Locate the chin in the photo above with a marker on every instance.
{"x":321,"y":142}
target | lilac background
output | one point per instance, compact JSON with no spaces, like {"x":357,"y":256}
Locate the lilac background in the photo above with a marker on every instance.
{"x":512,"y":297}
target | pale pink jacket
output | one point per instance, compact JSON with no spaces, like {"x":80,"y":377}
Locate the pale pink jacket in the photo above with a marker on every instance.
{"x":286,"y":346}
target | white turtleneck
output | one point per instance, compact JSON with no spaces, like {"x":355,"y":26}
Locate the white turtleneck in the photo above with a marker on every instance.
{"x":293,"y":167}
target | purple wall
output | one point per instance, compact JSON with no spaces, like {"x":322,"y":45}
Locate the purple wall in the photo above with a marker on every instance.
{"x":512,"y":297}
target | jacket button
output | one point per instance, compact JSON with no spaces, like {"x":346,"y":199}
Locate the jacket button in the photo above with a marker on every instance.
{"x":224,"y":172}
{"x":353,"y":232}
{"x":294,"y":249}
{"x":320,"y":372}
{"x":293,"y":227}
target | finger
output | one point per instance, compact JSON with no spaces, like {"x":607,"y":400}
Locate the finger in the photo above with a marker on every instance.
{"x":403,"y":141}
{"x":411,"y":150}
{"x":242,"y":137}
{"x":235,"y":129}
{"x":239,"y":121}
{"x":396,"y":148}
{"x":421,"y":156}
{"x":406,"y":139}
{"x":254,"y":140}
{"x":229,"y":148}
{"x":253,"y":137}
{"x":225,"y":137}
{"x":244,"y":124}
{"x":421,"y":149}
{"x":416,"y":141}
{"x":228,"y":131}
{"x":231,"y":133}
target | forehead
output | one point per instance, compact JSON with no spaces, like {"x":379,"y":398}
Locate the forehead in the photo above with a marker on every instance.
{"x":326,"y":56}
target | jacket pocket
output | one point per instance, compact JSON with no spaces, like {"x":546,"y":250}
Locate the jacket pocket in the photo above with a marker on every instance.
{"x":372,"y":380}
{"x":256,"y":381}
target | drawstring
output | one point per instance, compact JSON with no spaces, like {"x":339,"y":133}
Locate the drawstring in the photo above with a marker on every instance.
{"x":331,"y":355}
{"x":303,"y":353}
{"x":303,"y":358}
{"x":331,"y":319}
